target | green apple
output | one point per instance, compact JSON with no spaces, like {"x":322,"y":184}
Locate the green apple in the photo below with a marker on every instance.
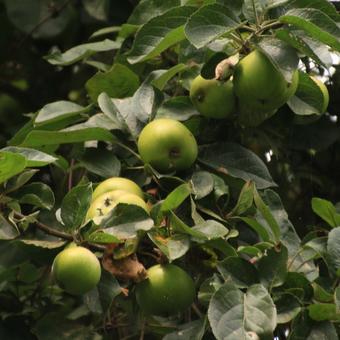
{"x":167,"y":145}
{"x":259,"y":85}
{"x":168,"y":289}
{"x":104,"y":203}
{"x":77,"y":270}
{"x":324,"y":91}
{"x":117,"y":183}
{"x":213,"y":98}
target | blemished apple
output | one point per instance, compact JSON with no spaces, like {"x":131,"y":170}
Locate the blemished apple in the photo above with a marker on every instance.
{"x":117,"y":183}
{"x":104,"y":203}
{"x":167,"y":145}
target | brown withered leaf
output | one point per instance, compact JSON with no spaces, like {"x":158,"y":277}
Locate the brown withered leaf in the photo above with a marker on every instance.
{"x":127,"y":268}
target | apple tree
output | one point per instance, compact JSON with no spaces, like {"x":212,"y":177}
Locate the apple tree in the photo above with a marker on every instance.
{"x":169,"y":169}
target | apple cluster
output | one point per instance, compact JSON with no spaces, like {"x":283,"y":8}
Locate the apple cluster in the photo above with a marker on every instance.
{"x":168,"y":289}
{"x":253,"y":93}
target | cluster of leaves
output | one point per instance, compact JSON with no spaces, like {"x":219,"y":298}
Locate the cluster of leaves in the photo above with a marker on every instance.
{"x":221,"y":220}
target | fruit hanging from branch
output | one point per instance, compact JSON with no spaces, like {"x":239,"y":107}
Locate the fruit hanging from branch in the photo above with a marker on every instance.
{"x":167,"y":145}
{"x":76,"y":270}
{"x":167,"y":290}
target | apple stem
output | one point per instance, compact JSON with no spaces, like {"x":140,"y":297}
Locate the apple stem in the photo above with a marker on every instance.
{"x":57,"y":233}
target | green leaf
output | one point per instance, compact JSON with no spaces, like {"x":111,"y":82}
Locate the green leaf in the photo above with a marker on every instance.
{"x":55,"y":325}
{"x":289,"y":237}
{"x":11,"y":164}
{"x":18,"y":181}
{"x":136,"y":111}
{"x":101,"y":162}
{"x":202,"y":184}
{"x":337,"y":299}
{"x":58,"y":111}
{"x":99,"y":236}
{"x":98,"y":9}
{"x":176,"y":197}
{"x":80,"y":52}
{"x":178,"y":108}
{"x":209,"y":23}
{"x":179,"y":226}
{"x":267,"y":215}
{"x":119,"y":82}
{"x":75,"y":206}
{"x":236,"y":161}
{"x":160,"y":33}
{"x":308,"y":98}
{"x":323,"y":311}
{"x":108,"y":288}
{"x":305,"y":45}
{"x":37,"y":194}
{"x":315,"y":23}
{"x":240,"y":313}
{"x":283,"y":56}
{"x":258,"y":228}
{"x":210,"y":230}
{"x":322,"y":5}
{"x":125,"y":220}
{"x":161,"y":81}
{"x":43,"y":243}
{"x":326,"y":210}
{"x":242,"y":273}
{"x":333,"y":248}
{"x":208,"y":288}
{"x":30,"y":17}
{"x":172,"y":247}
{"x":288,"y":307}
{"x":7,"y":230}
{"x":272,"y":267}
{"x":148,"y":9}
{"x":245,"y":199}
{"x":111,"y":111}
{"x":34,"y":158}
{"x":40,"y":138}
{"x":193,"y":330}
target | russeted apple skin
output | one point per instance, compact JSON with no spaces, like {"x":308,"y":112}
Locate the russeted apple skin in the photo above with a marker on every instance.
{"x":167,"y":145}
{"x":117,"y":183}
{"x":104,"y":203}
{"x":259,"y":85}
{"x":77,"y":270}
{"x":167,"y":290}
{"x":213,"y":98}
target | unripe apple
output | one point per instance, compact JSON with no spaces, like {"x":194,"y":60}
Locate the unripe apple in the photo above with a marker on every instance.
{"x":77,"y":270}
{"x":167,"y":145}
{"x":167,"y":290}
{"x":213,"y":98}
{"x":259,"y":84}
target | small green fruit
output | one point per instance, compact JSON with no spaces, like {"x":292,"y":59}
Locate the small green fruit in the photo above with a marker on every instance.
{"x":259,"y":85}
{"x":117,"y":183}
{"x":213,"y":98}
{"x":167,"y":290}
{"x":104,"y":203}
{"x":77,"y":270}
{"x":167,"y":145}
